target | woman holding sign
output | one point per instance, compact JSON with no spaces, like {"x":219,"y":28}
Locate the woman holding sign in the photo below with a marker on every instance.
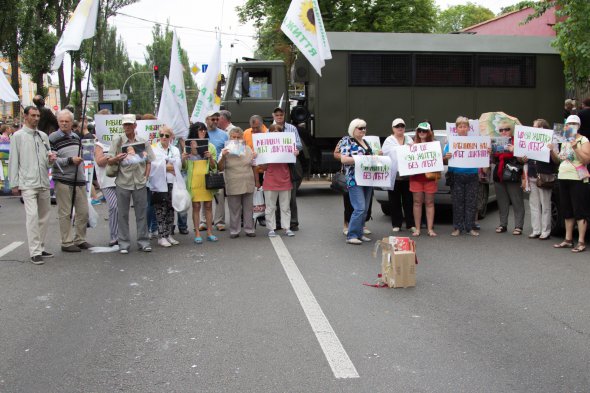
{"x":359,"y":195}
{"x":423,"y":188}
{"x":573,"y":187}
{"x":195,"y":179}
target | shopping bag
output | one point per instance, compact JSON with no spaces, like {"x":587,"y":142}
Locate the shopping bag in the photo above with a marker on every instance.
{"x":259,"y":206}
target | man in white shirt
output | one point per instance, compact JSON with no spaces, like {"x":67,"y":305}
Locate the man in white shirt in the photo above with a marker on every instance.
{"x":224,"y":121}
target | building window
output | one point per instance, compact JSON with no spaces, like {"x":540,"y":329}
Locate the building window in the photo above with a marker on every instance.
{"x":371,"y":69}
{"x":444,"y":70}
{"x":506,"y":71}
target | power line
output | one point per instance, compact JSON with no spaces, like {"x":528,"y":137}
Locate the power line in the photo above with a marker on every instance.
{"x":185,"y":27}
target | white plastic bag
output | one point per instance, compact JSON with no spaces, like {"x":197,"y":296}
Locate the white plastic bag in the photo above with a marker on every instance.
{"x":92,"y":216}
{"x":259,"y":206}
{"x":181,"y":198}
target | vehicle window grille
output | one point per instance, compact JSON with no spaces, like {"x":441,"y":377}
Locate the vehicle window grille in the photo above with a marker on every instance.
{"x":373,"y":69}
{"x":444,"y":70}
{"x":506,"y":71}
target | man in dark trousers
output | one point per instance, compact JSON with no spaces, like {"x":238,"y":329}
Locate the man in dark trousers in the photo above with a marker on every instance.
{"x":584,"y":115}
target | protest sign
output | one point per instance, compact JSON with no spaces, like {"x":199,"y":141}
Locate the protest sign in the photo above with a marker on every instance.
{"x":372,"y":171}
{"x":373,"y":142}
{"x":500,"y":144}
{"x":108,"y":126}
{"x":562,"y":134}
{"x":419,"y":158}
{"x":532,"y":142}
{"x":473,"y":128}
{"x":469,"y":151}
{"x":274,"y":147}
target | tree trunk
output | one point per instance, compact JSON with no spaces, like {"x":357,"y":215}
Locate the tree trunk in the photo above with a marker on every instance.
{"x":40,"y":84}
{"x":78,"y":82}
{"x":64,"y":98}
{"x":15,"y":85}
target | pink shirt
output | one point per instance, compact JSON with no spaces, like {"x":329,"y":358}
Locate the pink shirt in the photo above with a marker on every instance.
{"x":277,"y":178}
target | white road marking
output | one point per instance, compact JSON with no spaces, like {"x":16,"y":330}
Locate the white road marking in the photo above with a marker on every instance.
{"x":337,"y":357}
{"x":12,"y":246}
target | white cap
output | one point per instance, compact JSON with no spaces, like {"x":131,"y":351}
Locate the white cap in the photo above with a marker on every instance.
{"x":212,"y":113}
{"x":573,"y":119}
{"x":129,"y":119}
{"x":398,"y":121}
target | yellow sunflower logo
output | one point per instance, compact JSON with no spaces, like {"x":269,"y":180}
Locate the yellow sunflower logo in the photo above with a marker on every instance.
{"x":218,"y":91}
{"x":307,"y":16}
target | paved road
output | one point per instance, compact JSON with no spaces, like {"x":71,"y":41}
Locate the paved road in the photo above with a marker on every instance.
{"x":499,"y":313}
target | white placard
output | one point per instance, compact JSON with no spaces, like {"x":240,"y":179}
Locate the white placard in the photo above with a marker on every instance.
{"x":373,"y":142}
{"x":473,"y":128}
{"x":469,"y":151}
{"x":532,"y":142}
{"x":108,"y":126}
{"x":419,"y":158}
{"x":372,"y":171}
{"x":274,"y":147}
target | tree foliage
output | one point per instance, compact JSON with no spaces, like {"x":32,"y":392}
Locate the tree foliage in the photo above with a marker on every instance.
{"x":460,"y":16}
{"x":408,"y":16}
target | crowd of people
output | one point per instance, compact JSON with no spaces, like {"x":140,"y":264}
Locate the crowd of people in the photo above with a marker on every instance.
{"x":144,"y":175}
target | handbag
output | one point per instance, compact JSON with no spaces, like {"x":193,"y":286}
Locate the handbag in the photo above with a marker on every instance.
{"x":339,"y":183}
{"x":512,"y":172}
{"x":433,"y":176}
{"x":214,"y":181}
{"x":112,"y":170}
{"x":259,"y":206}
{"x":545,"y":180}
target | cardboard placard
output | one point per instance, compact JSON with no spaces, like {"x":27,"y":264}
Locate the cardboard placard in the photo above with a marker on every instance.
{"x":274,"y":147}
{"x":473,"y":128}
{"x":532,"y":143}
{"x":108,"y":126}
{"x":372,"y":171}
{"x":419,"y":158}
{"x":469,"y":151}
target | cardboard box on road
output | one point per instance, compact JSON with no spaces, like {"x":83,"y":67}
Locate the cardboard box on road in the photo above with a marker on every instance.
{"x":398,"y":268}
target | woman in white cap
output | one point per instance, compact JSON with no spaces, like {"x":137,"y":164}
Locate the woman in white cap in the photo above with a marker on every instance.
{"x":573,"y":185}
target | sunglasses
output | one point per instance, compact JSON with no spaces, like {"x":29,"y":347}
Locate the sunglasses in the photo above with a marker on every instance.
{"x":214,"y":119}
{"x":504,"y":129}
{"x":421,"y":130}
{"x":164,"y":136}
{"x":362,"y":128}
{"x":399,"y":126}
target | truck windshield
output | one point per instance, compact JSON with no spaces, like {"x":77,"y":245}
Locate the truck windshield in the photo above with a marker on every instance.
{"x":253,"y":83}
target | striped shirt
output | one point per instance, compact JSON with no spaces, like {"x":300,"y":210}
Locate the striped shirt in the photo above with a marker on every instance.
{"x":67,"y":146}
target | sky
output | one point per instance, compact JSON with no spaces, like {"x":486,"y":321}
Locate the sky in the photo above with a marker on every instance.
{"x":197,"y":21}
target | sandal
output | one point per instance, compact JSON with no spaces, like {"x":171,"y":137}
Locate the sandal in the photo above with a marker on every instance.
{"x":431,"y":233}
{"x":198,"y":240}
{"x":517,"y":231}
{"x":564,"y":244}
{"x":416,"y":233}
{"x":212,"y":238}
{"x":501,"y":229}
{"x":581,"y":247}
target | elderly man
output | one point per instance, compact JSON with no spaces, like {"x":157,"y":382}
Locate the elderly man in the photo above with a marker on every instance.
{"x":30,"y":159}
{"x":130,"y":182}
{"x":217,"y":137}
{"x":224,"y":122}
{"x":70,"y":184}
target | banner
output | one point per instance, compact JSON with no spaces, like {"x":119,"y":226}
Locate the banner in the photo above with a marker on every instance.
{"x":473,"y":128}
{"x":304,"y":26}
{"x":210,"y":93}
{"x":6,"y":91}
{"x":274,"y":147}
{"x":374,"y":143}
{"x":419,"y":158}
{"x":372,"y":171}
{"x":469,"y":151}
{"x":532,"y":142}
{"x":170,"y":111}
{"x":108,"y":126}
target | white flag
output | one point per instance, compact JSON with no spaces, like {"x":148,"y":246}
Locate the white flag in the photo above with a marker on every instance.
{"x":82,"y":25}
{"x":176,"y":80}
{"x":170,"y":112}
{"x":210,"y":93}
{"x":304,"y":26}
{"x":6,"y":91}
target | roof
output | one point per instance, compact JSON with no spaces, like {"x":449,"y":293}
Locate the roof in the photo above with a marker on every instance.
{"x":424,"y":42}
{"x":485,"y":22}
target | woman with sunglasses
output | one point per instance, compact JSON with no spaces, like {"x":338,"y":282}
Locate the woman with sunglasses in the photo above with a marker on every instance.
{"x":162,"y":176}
{"x":197,"y":167}
{"x":360,"y":196}
{"x":423,"y":189}
{"x":508,"y":191}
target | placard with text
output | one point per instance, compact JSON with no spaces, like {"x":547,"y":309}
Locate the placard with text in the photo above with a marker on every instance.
{"x":274,"y":147}
{"x":532,"y":142}
{"x":419,"y":158}
{"x":469,"y":151}
{"x":372,"y":171}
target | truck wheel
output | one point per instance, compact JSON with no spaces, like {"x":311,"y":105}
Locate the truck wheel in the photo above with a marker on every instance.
{"x":385,"y":208}
{"x":482,"y":200}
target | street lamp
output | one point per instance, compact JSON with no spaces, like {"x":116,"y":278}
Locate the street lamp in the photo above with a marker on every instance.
{"x":127,"y":80}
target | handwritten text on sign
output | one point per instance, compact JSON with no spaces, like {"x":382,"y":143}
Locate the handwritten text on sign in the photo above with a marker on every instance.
{"x":372,"y":171}
{"x":274,"y":147}
{"x":532,"y":142}
{"x":469,"y":151}
{"x":473,"y":128}
{"x":419,"y":158}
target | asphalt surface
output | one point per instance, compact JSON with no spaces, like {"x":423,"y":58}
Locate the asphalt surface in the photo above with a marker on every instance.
{"x":498,"y":313}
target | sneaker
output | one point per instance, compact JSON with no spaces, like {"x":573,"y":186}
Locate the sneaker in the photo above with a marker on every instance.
{"x":37,"y":260}
{"x":146,"y":249}
{"x":272,"y":234}
{"x":473,"y":232}
{"x":172,"y":241}
{"x":366,"y":231}
{"x":345,"y":231}
{"x":354,"y":241}
{"x":124,"y":251}
{"x":251,"y":234}
{"x":84,"y":246}
{"x":46,"y":254}
{"x":294,"y":228}
{"x":163,"y":242}
{"x":71,"y":248}
{"x":365,"y":239}
{"x":289,"y":233}
{"x":396,"y":229}
{"x":183,"y":231}
{"x":220,"y":227}
{"x":456,"y":232}
{"x":95,"y":202}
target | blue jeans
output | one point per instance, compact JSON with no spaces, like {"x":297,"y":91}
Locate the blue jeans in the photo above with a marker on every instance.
{"x":181,"y":221}
{"x":359,"y":199}
{"x":151,"y":214}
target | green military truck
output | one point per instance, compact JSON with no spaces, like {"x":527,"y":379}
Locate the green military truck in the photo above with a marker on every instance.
{"x":381,"y":76}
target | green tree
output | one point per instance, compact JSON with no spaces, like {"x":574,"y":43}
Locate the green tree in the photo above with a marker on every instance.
{"x":458,"y":17}
{"x":573,"y":24}
{"x":517,"y":7}
{"x":12,"y":40}
{"x":407,"y":16}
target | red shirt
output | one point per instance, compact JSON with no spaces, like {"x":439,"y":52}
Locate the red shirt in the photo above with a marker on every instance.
{"x":277,"y":178}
